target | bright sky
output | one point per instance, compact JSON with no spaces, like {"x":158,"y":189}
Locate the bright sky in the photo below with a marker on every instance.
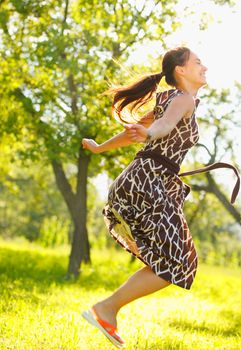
{"x":218,"y":47}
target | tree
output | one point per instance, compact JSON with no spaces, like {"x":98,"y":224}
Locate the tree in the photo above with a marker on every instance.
{"x":218,"y":123}
{"x":56,"y":59}
{"x":56,"y":56}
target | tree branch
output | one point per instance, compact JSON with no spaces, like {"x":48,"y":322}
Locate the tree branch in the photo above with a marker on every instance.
{"x":65,"y":16}
{"x":73,"y":91}
{"x":83,"y":162}
{"x":205,"y":147}
{"x":212,"y":187}
{"x":223,"y":199}
{"x":200,"y":188}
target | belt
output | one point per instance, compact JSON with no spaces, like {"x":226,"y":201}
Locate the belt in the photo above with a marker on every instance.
{"x":174,"y":168}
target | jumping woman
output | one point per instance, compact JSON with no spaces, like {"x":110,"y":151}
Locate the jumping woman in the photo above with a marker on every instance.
{"x":144,"y":213}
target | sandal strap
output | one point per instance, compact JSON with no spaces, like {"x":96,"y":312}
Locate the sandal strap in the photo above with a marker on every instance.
{"x":104,"y":323}
{"x":112,"y":330}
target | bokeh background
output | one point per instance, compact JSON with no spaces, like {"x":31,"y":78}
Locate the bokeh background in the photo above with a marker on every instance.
{"x":57,"y":59}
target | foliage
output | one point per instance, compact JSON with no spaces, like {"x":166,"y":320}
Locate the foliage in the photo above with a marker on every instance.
{"x":96,"y":226}
{"x":207,"y":220}
{"x":225,"y":251}
{"x":54,"y":232}
{"x":30,"y":194}
{"x":57,"y":58}
{"x":40,"y":310}
{"x":226,"y":2}
{"x":29,"y":198}
{"x":219,"y":122}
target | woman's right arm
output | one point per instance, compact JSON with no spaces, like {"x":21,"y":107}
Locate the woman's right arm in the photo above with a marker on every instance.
{"x":120,"y":140}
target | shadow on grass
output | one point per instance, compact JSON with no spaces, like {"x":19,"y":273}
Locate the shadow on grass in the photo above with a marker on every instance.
{"x":30,"y":270}
{"x":229,"y":331}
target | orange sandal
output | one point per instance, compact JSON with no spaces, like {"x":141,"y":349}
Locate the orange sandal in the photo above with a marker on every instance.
{"x":105,"y":327}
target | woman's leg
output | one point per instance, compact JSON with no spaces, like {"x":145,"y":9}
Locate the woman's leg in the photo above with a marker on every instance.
{"x":141,"y":283}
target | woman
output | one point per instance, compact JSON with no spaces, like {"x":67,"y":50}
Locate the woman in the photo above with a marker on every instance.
{"x":144,"y":211}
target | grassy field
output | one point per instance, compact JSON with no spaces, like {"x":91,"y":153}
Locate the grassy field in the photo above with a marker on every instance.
{"x":41,"y":310}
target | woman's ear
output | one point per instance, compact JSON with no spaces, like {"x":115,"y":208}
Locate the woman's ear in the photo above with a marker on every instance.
{"x":179,"y":70}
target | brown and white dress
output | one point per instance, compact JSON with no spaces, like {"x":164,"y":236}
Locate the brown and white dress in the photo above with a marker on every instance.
{"x":144,"y":212}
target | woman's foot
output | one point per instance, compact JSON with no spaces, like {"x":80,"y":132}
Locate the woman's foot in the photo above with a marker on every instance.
{"x":109,"y":330}
{"x":105,"y":311}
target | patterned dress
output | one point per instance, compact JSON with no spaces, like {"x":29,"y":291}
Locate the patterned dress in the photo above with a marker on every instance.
{"x":144,"y":212}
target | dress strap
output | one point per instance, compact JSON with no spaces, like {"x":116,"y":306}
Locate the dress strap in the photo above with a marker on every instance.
{"x":218,"y":165}
{"x":174,"y":168}
{"x":159,"y":159}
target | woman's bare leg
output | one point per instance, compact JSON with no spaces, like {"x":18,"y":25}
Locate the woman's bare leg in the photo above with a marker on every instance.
{"x":141,"y":283}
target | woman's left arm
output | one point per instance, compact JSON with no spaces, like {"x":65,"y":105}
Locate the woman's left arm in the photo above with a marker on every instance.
{"x":180,"y":107}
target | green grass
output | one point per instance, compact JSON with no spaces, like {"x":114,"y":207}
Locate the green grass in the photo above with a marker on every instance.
{"x":40,"y":310}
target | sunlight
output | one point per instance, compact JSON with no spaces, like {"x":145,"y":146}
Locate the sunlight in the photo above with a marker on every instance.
{"x":215,"y":45}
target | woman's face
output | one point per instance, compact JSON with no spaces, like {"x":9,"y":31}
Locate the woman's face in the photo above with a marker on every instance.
{"x":194,"y":71}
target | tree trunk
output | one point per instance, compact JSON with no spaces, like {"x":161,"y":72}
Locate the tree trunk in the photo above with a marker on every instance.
{"x":212,"y":187}
{"x":80,"y":250}
{"x":223,"y":199}
{"x":77,"y":206}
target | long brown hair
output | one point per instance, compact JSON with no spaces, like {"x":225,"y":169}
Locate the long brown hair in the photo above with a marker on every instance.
{"x":141,"y":91}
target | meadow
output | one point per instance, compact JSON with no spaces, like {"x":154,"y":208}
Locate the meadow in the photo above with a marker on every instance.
{"x":41,"y":310}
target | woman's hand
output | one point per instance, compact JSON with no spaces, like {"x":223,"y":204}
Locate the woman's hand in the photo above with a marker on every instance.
{"x":136,"y":132}
{"x":91,"y":145}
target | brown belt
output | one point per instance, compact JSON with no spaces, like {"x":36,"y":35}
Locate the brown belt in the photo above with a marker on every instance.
{"x":174,"y":168}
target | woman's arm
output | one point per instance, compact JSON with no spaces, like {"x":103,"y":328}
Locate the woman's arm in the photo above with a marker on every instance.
{"x":120,"y":140}
{"x":180,"y":107}
{"x":147,"y":120}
